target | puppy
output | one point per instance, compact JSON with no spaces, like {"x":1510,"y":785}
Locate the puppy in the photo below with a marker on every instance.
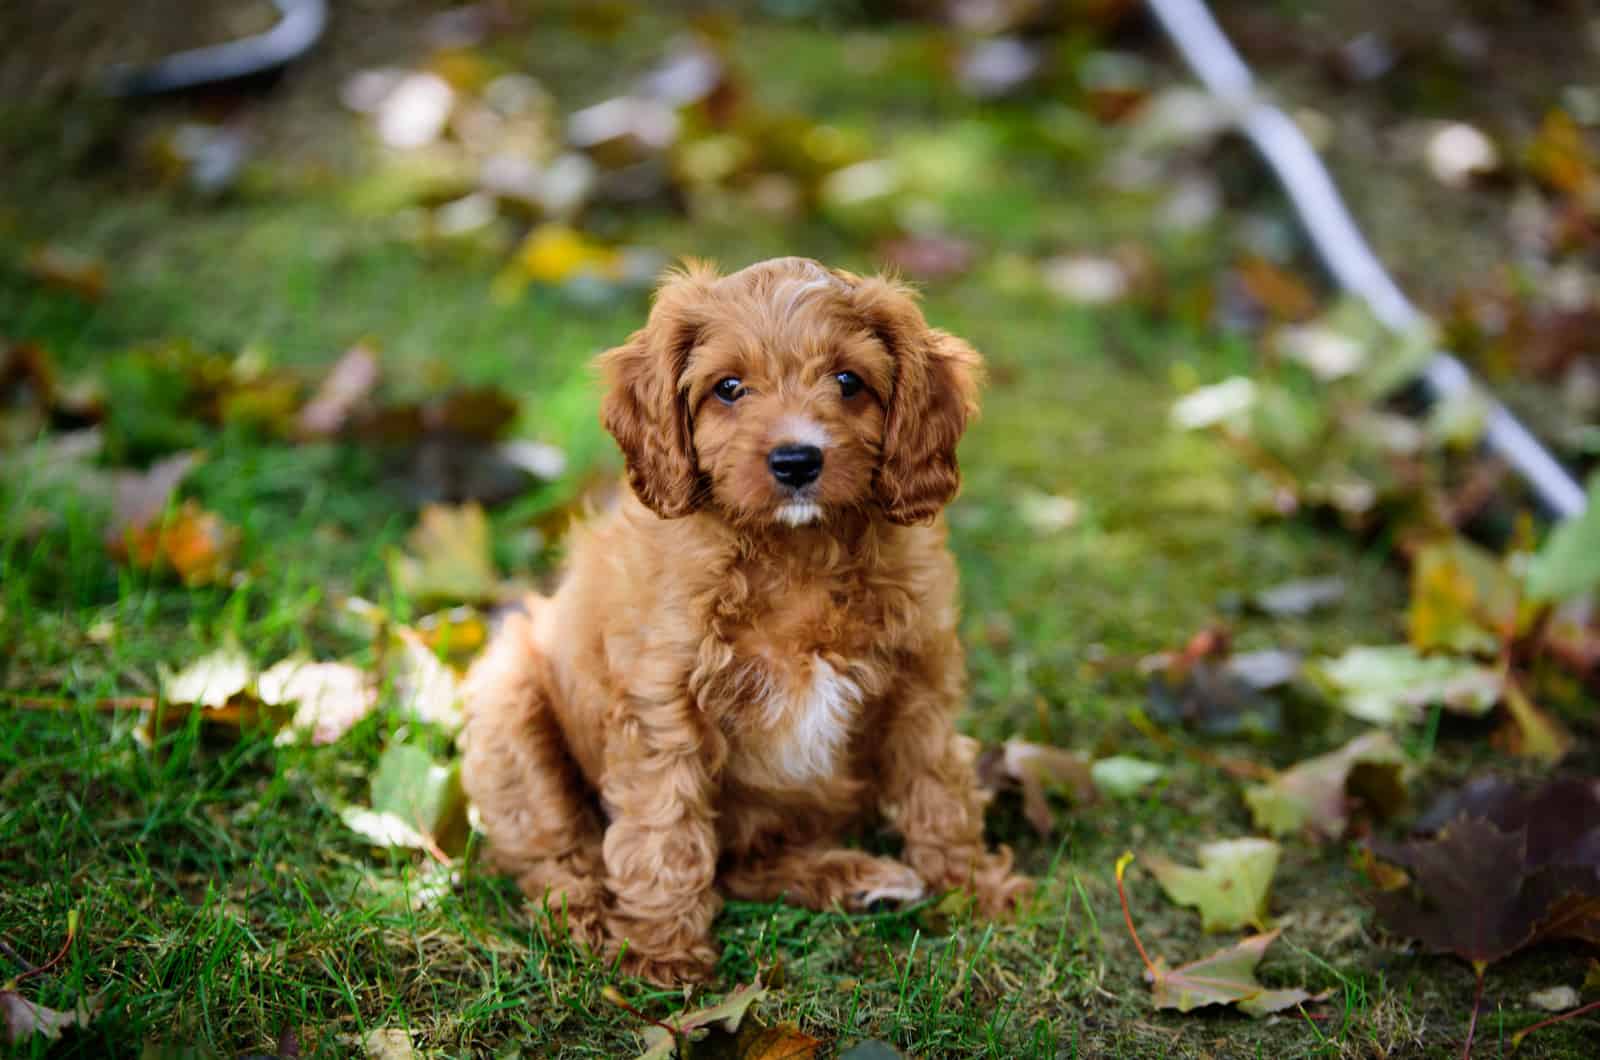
{"x":756,"y":653}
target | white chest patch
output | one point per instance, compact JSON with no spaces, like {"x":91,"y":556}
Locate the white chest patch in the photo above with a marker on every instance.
{"x":812,"y":724}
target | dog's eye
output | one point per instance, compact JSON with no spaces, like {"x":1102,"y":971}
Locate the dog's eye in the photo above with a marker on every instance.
{"x":729,"y":390}
{"x":849,"y":384}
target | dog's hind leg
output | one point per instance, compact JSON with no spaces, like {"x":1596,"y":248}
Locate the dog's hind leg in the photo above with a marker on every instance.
{"x":541,"y":823}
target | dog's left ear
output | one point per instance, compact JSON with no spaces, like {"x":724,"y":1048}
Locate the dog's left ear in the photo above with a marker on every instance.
{"x":936,"y":378}
{"x":645,"y":408}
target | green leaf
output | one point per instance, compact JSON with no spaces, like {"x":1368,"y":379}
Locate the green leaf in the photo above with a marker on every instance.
{"x":1122,"y":775}
{"x":411,"y":789}
{"x":1229,"y":888}
{"x":1226,"y":977}
{"x":1395,"y":684}
{"x":1569,"y":563}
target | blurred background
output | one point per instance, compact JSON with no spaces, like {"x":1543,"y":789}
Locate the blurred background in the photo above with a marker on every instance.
{"x":294,"y":365}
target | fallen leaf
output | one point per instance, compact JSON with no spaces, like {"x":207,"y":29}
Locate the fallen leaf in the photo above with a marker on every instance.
{"x":928,"y":257}
{"x":411,"y":785}
{"x":193,"y":543}
{"x":1463,"y":599}
{"x":1458,"y":154}
{"x":388,"y":1043}
{"x":1476,"y":893}
{"x":1035,"y":770}
{"x":69,"y":270}
{"x":211,"y":680}
{"x":703,"y":1028}
{"x":1317,"y":794}
{"x":1047,"y":513}
{"x":1120,"y":776}
{"x":1568,"y":563}
{"x":1229,"y":888}
{"x":448,"y":558}
{"x":1216,"y":405}
{"x":414,"y":111}
{"x":1555,"y":999}
{"x":348,"y":383}
{"x":1226,"y":977}
{"x":328,"y":697}
{"x":1276,"y":290}
{"x":1087,"y":279}
{"x":24,"y":1019}
{"x":1530,"y":732}
{"x":784,"y":1041}
{"x":1213,"y":699}
{"x":424,"y":687}
{"x":1395,"y":685}
{"x":1301,"y":597}
{"x":142,"y":497}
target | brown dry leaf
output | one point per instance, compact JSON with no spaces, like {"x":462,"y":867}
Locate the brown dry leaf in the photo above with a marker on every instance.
{"x":1035,"y":769}
{"x":785,"y":1041}
{"x":1278,"y":291}
{"x":1560,"y":156}
{"x":193,"y":543}
{"x":68,"y":270}
{"x":1317,"y":794}
{"x":349,"y":383}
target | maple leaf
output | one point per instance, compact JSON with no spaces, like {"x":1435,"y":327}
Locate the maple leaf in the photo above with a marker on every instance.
{"x":348,"y":383}
{"x":22,"y":1019}
{"x":709,"y":1028}
{"x":1230,"y":886}
{"x":328,"y":697}
{"x":1482,"y":892}
{"x":448,"y":557}
{"x":1317,"y":794}
{"x":1226,"y":977}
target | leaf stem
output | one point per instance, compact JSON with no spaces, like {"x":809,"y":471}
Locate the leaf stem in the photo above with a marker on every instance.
{"x":72,"y":933}
{"x":1472,"y":1024}
{"x":1516,"y":1039}
{"x":1127,"y":915}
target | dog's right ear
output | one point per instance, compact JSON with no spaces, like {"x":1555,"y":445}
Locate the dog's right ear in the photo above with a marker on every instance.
{"x":645,"y":408}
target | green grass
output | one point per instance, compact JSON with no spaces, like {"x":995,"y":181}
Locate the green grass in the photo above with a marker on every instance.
{"x":221,"y":900}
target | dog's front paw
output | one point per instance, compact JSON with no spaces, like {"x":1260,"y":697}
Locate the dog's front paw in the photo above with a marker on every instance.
{"x":884,"y":880}
{"x":671,"y":969}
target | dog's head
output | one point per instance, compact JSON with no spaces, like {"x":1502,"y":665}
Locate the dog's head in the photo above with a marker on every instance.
{"x":787,"y":393}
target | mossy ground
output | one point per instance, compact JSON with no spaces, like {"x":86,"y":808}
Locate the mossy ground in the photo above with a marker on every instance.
{"x":221,"y":898}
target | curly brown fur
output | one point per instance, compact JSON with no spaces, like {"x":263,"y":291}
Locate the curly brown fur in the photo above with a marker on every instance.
{"x":739,"y":671}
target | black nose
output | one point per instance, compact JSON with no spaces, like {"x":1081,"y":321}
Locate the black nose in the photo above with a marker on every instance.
{"x":795,"y":465}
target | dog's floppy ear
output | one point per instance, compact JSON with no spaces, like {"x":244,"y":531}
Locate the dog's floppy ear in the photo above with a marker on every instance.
{"x":936,"y":378}
{"x":644,"y":407}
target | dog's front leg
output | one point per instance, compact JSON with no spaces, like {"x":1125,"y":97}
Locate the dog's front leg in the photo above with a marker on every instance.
{"x":930,"y":787}
{"x":660,"y":848}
